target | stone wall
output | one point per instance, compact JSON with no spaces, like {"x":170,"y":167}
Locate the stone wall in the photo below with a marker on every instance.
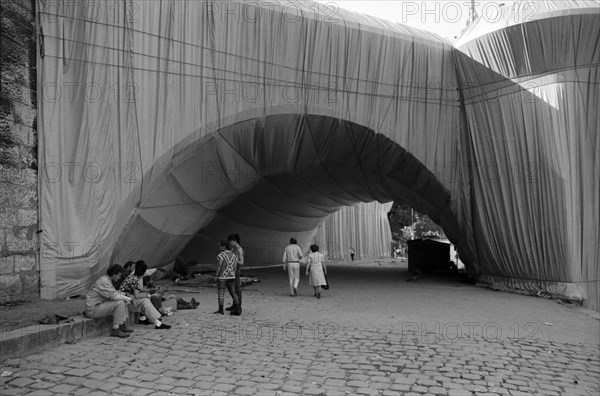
{"x":19,"y":259}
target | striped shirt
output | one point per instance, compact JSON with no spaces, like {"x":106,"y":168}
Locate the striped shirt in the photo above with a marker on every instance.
{"x":227,"y":265}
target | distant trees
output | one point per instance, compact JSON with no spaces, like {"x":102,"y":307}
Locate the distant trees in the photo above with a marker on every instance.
{"x":399,"y":217}
{"x":407,"y":224}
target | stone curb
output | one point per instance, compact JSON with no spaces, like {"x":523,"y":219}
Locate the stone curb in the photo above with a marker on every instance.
{"x":27,"y":340}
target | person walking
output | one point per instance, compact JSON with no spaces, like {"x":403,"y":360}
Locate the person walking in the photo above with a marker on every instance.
{"x":226,"y":270}
{"x":316,"y":269}
{"x":234,"y":241}
{"x":291,"y":262}
{"x":352,"y":252}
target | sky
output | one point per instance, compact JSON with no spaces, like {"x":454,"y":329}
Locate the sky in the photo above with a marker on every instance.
{"x":444,"y":17}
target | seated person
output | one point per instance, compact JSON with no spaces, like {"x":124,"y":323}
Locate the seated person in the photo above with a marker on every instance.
{"x":129,"y":267}
{"x":104,"y":300}
{"x":141,"y":299}
{"x":157,"y":293}
{"x":145,"y":285}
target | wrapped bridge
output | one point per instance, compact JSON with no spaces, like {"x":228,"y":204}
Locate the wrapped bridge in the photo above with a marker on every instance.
{"x":166,"y":125}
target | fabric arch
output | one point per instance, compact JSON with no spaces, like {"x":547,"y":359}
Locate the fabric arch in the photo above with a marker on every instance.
{"x":295,"y":113}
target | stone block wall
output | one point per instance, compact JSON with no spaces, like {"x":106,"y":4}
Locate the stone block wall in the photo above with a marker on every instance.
{"x":19,"y":258}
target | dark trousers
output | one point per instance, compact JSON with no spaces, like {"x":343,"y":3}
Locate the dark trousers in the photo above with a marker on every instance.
{"x":238,"y":284}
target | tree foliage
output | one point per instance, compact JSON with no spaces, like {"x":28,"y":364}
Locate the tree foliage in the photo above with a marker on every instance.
{"x":407,"y":224}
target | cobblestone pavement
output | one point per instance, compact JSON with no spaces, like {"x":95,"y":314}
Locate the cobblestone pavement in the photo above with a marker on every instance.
{"x":235,"y":356}
{"x":206,"y":354}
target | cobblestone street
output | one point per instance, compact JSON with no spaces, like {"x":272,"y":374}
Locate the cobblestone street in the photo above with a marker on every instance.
{"x":206,"y":354}
{"x":224,"y":198}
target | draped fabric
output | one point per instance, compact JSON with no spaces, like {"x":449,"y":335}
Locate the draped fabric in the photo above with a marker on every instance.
{"x":531,"y":95}
{"x":166,"y":125}
{"x":363,"y":227}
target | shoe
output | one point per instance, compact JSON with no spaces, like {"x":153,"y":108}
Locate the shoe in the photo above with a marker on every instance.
{"x":295,"y":292}
{"x":145,"y":322}
{"x":125,"y":329}
{"x":220,"y":311}
{"x":163,"y":326}
{"x":318,"y":295}
{"x":118,"y":333}
{"x":194,"y":302}
{"x":229,"y":308}
{"x":236,"y":311}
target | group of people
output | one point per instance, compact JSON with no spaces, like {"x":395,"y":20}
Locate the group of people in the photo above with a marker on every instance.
{"x":117,"y":293}
{"x":315,"y":267}
{"x":122,"y":290}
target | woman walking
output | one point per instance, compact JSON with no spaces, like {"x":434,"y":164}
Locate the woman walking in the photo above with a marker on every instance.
{"x":317,"y":269}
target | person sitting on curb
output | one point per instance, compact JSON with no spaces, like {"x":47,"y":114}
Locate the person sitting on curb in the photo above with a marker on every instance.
{"x":141,"y":300}
{"x":157,"y":294}
{"x":104,"y":300}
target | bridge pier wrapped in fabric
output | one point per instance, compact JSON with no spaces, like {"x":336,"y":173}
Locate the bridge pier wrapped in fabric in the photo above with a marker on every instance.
{"x":166,"y":128}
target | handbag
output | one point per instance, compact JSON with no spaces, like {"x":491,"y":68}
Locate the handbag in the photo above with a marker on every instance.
{"x":326,"y":285}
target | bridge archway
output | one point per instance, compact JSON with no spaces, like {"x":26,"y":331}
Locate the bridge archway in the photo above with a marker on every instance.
{"x":502,"y":103}
{"x":271,"y":177}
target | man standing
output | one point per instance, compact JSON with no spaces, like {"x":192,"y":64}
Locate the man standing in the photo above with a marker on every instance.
{"x":104,"y":300}
{"x":352,"y":252}
{"x":234,"y":240}
{"x":291,"y":261}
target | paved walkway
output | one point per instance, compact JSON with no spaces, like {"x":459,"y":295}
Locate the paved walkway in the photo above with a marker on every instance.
{"x":371,"y":334}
